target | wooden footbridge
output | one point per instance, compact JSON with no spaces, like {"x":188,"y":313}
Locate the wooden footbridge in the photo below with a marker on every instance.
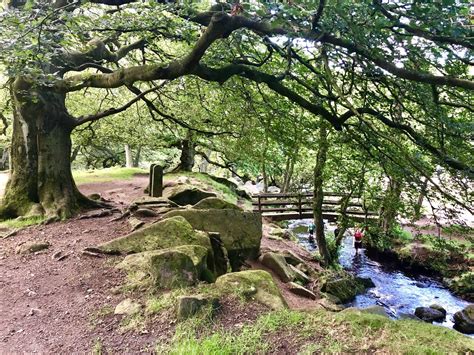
{"x":286,"y":206}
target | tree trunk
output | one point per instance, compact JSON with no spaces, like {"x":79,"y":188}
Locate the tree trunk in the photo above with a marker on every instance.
{"x":419,"y":202}
{"x":136,"y":160}
{"x":41,"y":180}
{"x":188,"y":152}
{"x":128,"y":157}
{"x":391,"y":204}
{"x":318,"y":195}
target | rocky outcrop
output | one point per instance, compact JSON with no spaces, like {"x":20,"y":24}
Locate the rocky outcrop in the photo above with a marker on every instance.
{"x":254,"y":284}
{"x":215,"y":203}
{"x":464,"y":320}
{"x":169,"y":268}
{"x":345,"y":289}
{"x":170,"y":232}
{"x":188,"y":306}
{"x":186,"y":194}
{"x":429,"y":314}
{"x":241,"y":232}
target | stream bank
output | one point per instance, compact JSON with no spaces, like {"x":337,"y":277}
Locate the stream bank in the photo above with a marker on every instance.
{"x":398,"y":291}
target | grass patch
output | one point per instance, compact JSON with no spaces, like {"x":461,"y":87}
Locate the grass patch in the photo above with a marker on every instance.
{"x":21,"y":222}
{"x":97,"y":349}
{"x":318,"y":331}
{"x":105,"y":175}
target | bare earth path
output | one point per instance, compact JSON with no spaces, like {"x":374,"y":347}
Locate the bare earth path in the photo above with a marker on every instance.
{"x":48,"y":306}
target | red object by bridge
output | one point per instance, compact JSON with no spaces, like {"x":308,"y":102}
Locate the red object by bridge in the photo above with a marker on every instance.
{"x":358,"y":235}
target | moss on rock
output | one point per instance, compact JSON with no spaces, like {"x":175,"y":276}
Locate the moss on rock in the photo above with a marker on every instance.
{"x":241,"y":232}
{"x":169,"y":268}
{"x":184,"y":194}
{"x":215,"y":203}
{"x":167,"y":233}
{"x":257,"y":284}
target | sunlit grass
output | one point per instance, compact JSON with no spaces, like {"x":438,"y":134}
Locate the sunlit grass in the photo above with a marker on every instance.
{"x":105,"y":175}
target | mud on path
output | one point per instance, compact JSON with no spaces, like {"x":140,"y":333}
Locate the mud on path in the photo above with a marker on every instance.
{"x":49,"y":305}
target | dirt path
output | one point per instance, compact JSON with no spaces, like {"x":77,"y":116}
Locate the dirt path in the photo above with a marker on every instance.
{"x":49,"y":306}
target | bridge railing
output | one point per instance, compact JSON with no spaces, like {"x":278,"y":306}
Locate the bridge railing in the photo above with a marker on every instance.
{"x":300,"y":205}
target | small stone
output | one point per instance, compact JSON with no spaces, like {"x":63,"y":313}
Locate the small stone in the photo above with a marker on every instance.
{"x":59,"y":256}
{"x":127,"y":306}
{"x":31,"y":247}
{"x":135,"y":223}
{"x":301,"y":291}
{"x":94,"y":197}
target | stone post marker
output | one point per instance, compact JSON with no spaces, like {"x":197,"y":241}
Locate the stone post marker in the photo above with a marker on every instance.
{"x":156,"y":180}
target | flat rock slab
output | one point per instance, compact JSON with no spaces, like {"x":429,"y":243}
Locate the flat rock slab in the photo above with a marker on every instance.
{"x":301,"y":291}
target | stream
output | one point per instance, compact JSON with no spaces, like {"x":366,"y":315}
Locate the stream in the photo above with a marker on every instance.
{"x":396,"y":291}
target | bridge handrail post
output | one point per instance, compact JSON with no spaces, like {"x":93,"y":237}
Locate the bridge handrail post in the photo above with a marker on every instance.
{"x":299,"y":205}
{"x":259,"y":204}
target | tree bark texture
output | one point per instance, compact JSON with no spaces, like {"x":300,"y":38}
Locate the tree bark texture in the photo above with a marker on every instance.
{"x":318,"y":194}
{"x":41,"y":181}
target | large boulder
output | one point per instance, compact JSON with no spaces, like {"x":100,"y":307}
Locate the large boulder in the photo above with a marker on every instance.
{"x":169,"y":268}
{"x":215,"y":203}
{"x":257,"y":284}
{"x":345,"y":289}
{"x":241,"y":232}
{"x":464,"y":320}
{"x":167,"y":233}
{"x":186,"y":194}
{"x":429,"y":314}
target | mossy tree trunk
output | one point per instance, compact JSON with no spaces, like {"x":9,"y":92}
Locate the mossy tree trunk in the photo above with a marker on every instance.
{"x":319,"y":194}
{"x":391,"y":203}
{"x":41,"y":181}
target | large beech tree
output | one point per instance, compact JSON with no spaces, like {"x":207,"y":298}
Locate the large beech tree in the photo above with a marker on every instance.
{"x":402,"y":65}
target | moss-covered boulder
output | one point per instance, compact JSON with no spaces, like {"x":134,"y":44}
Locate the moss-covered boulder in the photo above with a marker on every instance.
{"x":255,"y":284}
{"x":167,"y":233}
{"x":379,"y":310}
{"x":215,"y":203}
{"x":241,"y":232}
{"x":345,"y":289}
{"x":169,"y":268}
{"x":184,"y":194}
{"x":429,"y":314}
{"x":464,"y":320}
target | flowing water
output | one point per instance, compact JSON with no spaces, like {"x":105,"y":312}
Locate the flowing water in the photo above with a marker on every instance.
{"x":396,"y":291}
